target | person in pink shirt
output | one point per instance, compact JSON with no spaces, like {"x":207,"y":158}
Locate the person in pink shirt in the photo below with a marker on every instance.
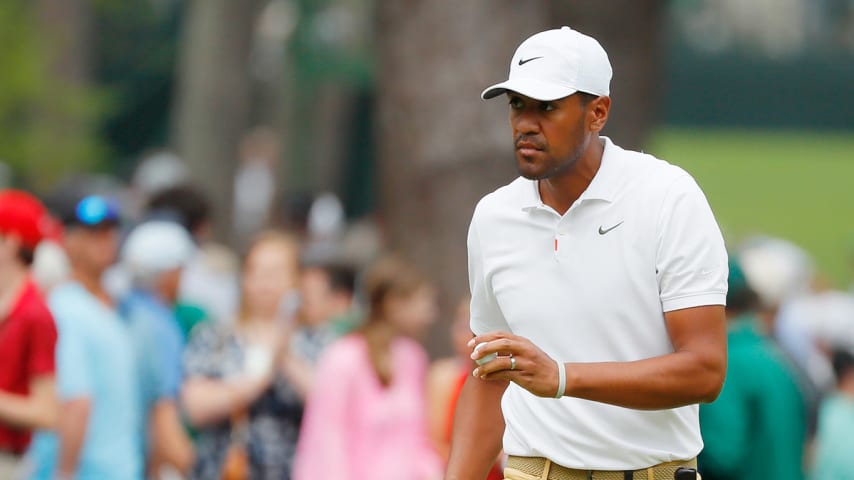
{"x":365,"y":417}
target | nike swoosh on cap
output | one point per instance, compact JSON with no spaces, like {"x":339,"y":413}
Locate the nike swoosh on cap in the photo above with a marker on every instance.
{"x":522,"y":62}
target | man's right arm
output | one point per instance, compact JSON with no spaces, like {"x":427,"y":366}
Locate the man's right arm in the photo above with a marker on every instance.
{"x":478,"y":430}
{"x":478,"y":421}
{"x":71,"y":429}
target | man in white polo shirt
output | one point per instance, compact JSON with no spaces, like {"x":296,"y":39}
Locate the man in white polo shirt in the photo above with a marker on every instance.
{"x":597,"y":277}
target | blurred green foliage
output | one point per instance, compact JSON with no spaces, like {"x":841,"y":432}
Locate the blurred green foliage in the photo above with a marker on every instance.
{"x":794,"y":184}
{"x":47,"y":126}
{"x":322,"y":53}
{"x":135,"y":59}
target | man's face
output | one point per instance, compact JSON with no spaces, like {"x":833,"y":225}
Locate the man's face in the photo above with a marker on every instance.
{"x":315,"y":295}
{"x":92,"y":248}
{"x":549,"y":137}
{"x":412,"y":314}
{"x":169,"y":283}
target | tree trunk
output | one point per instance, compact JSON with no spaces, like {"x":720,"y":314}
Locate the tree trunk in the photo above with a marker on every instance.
{"x":62,"y":111}
{"x":213,"y":105}
{"x":440,"y":147}
{"x":67,"y":26}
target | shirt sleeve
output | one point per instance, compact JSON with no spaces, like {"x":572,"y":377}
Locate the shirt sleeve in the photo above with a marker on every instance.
{"x":169,"y":367}
{"x":691,"y":258}
{"x":485,"y":314}
{"x":42,"y":359}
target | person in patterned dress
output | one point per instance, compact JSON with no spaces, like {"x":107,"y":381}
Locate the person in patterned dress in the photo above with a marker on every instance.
{"x":238,"y":394}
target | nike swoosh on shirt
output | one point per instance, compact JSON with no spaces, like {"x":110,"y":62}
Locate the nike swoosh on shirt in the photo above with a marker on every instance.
{"x":603,"y":231}
{"x":522,"y":62}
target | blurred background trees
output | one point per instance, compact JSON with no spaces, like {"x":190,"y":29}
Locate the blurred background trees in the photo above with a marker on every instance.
{"x":49,"y":108}
{"x":213,"y":100}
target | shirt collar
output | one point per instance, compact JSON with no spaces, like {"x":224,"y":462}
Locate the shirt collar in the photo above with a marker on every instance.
{"x":529,"y":195}
{"x":603,"y":186}
{"x":147,"y":297}
{"x":605,"y":183}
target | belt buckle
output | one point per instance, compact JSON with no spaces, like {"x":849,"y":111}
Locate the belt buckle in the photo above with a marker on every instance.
{"x":683,"y":473}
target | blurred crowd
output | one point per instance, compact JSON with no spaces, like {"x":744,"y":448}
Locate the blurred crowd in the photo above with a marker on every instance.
{"x":786,"y":410}
{"x":134,"y":346}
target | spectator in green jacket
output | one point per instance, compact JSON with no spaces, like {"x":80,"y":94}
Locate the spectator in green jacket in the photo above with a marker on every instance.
{"x":834,"y":459}
{"x":757,"y":426}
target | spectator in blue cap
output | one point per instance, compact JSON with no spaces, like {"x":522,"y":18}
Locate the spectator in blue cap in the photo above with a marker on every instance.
{"x":99,"y":433}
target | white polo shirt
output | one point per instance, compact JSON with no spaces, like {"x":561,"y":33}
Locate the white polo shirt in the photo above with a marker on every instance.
{"x":592,"y":286}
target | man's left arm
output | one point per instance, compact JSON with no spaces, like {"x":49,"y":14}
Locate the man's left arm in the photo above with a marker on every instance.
{"x":693,"y":373}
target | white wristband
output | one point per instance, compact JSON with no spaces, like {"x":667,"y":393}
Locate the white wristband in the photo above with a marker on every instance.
{"x":561,"y":379}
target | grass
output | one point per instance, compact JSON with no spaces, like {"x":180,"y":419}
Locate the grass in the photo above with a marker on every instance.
{"x":797,"y":185}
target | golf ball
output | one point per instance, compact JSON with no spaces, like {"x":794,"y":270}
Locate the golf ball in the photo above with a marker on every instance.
{"x":486,"y":358}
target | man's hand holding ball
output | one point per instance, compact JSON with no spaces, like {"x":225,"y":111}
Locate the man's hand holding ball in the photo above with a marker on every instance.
{"x":504,"y":356}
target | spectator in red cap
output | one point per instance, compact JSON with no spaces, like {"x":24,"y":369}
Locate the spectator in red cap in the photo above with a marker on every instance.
{"x":27,"y":330}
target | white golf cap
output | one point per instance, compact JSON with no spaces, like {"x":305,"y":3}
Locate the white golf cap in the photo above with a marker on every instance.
{"x":555,"y":64}
{"x":157,"y":246}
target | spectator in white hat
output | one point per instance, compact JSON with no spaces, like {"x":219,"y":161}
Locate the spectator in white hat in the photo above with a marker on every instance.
{"x":209,"y":286}
{"x":155,"y":254}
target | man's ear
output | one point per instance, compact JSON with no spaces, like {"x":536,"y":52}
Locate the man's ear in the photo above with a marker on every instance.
{"x":599,"y":109}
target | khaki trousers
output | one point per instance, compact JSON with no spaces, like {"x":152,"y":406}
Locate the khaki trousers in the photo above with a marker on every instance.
{"x":10,"y":466}
{"x":538,"y":468}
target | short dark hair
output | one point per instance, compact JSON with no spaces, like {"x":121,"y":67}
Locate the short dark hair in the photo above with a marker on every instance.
{"x":26,"y":256}
{"x":741,"y":300}
{"x":843,"y":362}
{"x":342,"y":279}
{"x":586,"y":98}
{"x":184,"y":201}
